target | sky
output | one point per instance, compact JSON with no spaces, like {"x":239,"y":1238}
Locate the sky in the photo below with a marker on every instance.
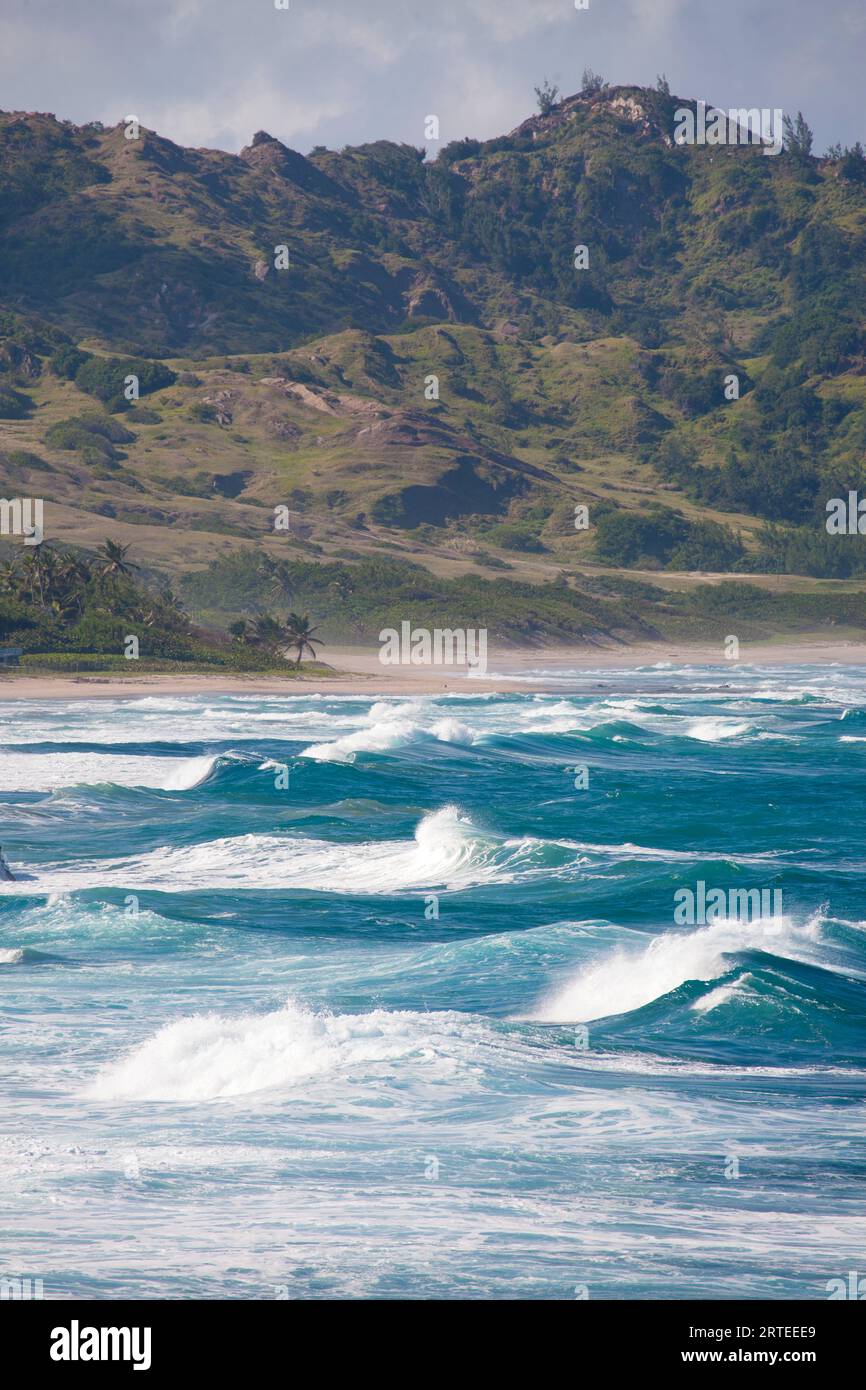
{"x":338,"y":72}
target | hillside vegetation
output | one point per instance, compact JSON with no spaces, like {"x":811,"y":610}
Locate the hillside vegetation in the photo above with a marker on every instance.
{"x":398,"y":358}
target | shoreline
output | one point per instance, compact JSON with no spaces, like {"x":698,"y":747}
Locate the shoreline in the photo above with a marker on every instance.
{"x":358,"y":671}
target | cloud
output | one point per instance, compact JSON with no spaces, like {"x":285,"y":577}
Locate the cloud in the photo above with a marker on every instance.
{"x":503,"y":23}
{"x":656,"y":16}
{"x":232,"y":121}
{"x":336,"y":72}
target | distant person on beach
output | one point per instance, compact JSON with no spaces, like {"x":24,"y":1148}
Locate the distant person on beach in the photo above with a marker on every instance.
{"x":6,"y":874}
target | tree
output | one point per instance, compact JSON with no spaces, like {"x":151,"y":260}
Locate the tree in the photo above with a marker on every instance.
{"x":663,"y":86}
{"x":10,"y":579}
{"x":280,"y":589}
{"x":300,"y":635}
{"x":268,"y":635}
{"x":67,"y":360}
{"x":111,"y":560}
{"x":40,"y":569}
{"x":55,"y":580}
{"x":853,"y":166}
{"x":343,"y":585}
{"x":173,"y":607}
{"x":65,"y":606}
{"x":797,"y":136}
{"x":547,"y":96}
{"x":73,"y":577}
{"x":591,"y":82}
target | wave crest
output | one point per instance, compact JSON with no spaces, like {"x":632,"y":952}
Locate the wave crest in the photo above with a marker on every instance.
{"x":448,"y":851}
{"x":630,"y":979}
{"x":388,"y":728}
{"x":213,"y":1057}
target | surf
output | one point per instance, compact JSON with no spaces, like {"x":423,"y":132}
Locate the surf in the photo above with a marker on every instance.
{"x":627,"y":979}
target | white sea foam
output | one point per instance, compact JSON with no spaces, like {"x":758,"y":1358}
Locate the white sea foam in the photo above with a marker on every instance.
{"x":183,"y":720}
{"x":213,"y":1056}
{"x":47,"y":772}
{"x":627,"y":850}
{"x":450,"y":730}
{"x":628,"y":979}
{"x":209,"y":1057}
{"x":715,"y":730}
{"x":562,"y":717}
{"x":192,"y":772}
{"x":388,"y":727}
{"x":380,"y":738}
{"x":724,"y":994}
{"x":448,"y":851}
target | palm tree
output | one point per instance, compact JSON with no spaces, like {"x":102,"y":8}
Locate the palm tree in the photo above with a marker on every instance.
{"x":172,"y":612}
{"x":73,"y":568}
{"x":299,"y":634}
{"x":111,"y":559}
{"x":39,"y":570}
{"x":73,"y":576}
{"x":10,"y":579}
{"x":65,"y":606}
{"x":267,"y":634}
{"x":280,"y":589}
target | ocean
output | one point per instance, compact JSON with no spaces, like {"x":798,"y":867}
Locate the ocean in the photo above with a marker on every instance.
{"x":322,"y":996}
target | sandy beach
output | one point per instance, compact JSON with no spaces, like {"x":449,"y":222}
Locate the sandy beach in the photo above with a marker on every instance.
{"x":358,"y":671}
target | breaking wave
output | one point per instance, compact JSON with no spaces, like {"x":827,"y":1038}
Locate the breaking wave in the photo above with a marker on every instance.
{"x":212,"y":1056}
{"x":628,"y":979}
{"x":448,"y":850}
{"x":388,"y":727}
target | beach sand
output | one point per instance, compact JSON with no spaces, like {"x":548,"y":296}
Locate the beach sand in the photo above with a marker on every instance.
{"x":358,"y":671}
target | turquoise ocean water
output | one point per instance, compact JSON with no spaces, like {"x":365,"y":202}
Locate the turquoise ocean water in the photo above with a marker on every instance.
{"x":329,"y":996}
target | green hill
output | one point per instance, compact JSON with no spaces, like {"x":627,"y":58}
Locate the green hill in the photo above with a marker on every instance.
{"x":403,"y":356}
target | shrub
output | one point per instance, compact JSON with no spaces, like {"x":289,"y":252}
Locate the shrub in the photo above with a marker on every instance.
{"x":14,"y":405}
{"x":94,"y":435}
{"x":18,"y":459}
{"x":68,"y":360}
{"x":515,"y":535}
{"x":104,"y":377}
{"x":810,"y":550}
{"x":460,"y":149}
{"x":547,"y":96}
{"x":98,"y":633}
{"x":662,"y":538}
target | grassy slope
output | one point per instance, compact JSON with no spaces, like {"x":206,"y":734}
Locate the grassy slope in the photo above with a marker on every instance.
{"x":546,"y":399}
